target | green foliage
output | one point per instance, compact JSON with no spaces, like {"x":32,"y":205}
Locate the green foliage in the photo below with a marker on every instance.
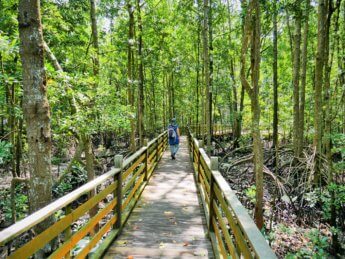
{"x":339,"y":199}
{"x":21,"y":201}
{"x":5,"y":152}
{"x":285,"y":229}
{"x":317,"y":247}
{"x":75,"y":179}
{"x":251,"y":193}
{"x":338,"y":150}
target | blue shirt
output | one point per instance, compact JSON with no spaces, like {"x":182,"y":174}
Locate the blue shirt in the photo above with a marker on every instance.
{"x":176,"y":140}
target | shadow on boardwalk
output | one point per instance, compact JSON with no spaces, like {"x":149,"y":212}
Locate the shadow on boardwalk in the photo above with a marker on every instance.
{"x":168,"y":221}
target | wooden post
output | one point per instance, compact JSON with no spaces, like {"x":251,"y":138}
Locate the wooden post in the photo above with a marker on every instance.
{"x":214,"y":167}
{"x":68,"y":230}
{"x":200,"y":145}
{"x":157,"y":148}
{"x":191,"y":146}
{"x":118,"y":177}
{"x":146,"y":177}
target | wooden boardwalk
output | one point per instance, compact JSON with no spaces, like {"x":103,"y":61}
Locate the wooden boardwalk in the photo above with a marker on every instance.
{"x":168,"y":221}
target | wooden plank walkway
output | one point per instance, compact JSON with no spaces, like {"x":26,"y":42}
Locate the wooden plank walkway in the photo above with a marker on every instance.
{"x":168,"y":221}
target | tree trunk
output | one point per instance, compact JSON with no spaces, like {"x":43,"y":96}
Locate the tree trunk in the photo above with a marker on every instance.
{"x":52,"y":57}
{"x":275,"y":76}
{"x":197,"y":78}
{"x":296,"y":75}
{"x":95,"y":44}
{"x":252,"y":35}
{"x":303,"y":76}
{"x":141,"y":78}
{"x":130,"y":74}
{"x":329,"y":53}
{"x":87,"y":139}
{"x":207,"y":74}
{"x":319,"y":65}
{"x":36,"y":107}
{"x":210,"y":28}
{"x":19,"y":147}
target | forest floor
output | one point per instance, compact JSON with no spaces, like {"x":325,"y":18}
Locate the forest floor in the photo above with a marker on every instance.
{"x":295,"y":226}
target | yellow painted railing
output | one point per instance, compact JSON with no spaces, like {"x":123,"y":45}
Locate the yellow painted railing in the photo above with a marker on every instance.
{"x":231,"y":229}
{"x":118,"y":192}
{"x":217,"y":129}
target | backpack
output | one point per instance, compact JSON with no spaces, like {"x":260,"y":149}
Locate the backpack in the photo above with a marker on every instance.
{"x":171,"y":132}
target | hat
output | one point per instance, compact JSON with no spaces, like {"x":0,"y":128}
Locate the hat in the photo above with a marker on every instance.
{"x":173,"y":120}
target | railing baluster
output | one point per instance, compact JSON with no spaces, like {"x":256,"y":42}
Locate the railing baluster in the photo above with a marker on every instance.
{"x":118,"y":178}
{"x":68,"y":231}
{"x":214,"y":166}
{"x":200,"y":145}
{"x":146,"y":160}
{"x":157,"y":150}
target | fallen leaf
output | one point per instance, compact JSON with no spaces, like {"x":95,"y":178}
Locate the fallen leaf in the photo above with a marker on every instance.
{"x":161,"y":245}
{"x":130,"y":257}
{"x":121,"y":242}
{"x":185,"y":244}
{"x":168,"y":213}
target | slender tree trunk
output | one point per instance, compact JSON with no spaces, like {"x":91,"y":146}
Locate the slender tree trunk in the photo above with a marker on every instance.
{"x":319,"y":66}
{"x":303,"y":76}
{"x":210,"y":27}
{"x":52,"y":57}
{"x":36,"y":107}
{"x":12,"y":124}
{"x":130,"y":74}
{"x":207,"y":74}
{"x":275,"y":75}
{"x":164,"y":95}
{"x":2,"y":126}
{"x":141,"y":77}
{"x":19,"y":147}
{"x":197,"y":77}
{"x":329,"y":54}
{"x":296,"y":76}
{"x":94,"y":37}
{"x":172,"y":94}
{"x":252,"y":35}
{"x":87,"y":139}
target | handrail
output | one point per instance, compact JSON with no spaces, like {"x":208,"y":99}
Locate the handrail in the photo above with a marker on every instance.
{"x":132,"y":176}
{"x":237,"y":236}
{"x":217,"y":129}
{"x":42,"y":214}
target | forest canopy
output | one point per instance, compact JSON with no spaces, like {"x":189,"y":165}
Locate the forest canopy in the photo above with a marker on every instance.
{"x":84,"y":80}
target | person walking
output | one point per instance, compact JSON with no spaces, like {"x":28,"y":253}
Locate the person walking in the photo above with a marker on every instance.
{"x":174,"y":138}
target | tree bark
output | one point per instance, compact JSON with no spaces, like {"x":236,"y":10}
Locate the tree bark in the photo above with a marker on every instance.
{"x":36,"y":107}
{"x":252,"y":35}
{"x":207,"y":74}
{"x":95,"y":44}
{"x":319,"y":66}
{"x":303,"y":75}
{"x":197,"y":78}
{"x":87,"y":139}
{"x":130,"y":73}
{"x":141,"y":77}
{"x":296,"y":76}
{"x":275,"y":75}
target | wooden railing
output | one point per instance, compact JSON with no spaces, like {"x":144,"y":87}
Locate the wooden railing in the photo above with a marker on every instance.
{"x":217,"y":129}
{"x":118,"y":192}
{"x":232,"y":231}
